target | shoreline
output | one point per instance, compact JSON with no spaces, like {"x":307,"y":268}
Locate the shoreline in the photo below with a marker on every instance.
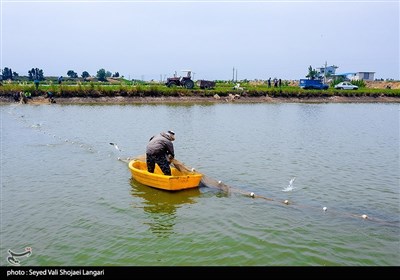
{"x":212,"y":100}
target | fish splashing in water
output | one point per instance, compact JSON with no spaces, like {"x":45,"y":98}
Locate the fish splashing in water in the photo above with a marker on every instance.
{"x":290,"y":187}
{"x":116,"y":146}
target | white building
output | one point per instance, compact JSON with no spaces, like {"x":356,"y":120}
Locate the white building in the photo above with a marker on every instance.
{"x":366,"y":76}
{"x":328,"y":71}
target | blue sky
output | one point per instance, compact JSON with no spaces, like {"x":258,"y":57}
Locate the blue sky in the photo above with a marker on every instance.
{"x":152,"y":39}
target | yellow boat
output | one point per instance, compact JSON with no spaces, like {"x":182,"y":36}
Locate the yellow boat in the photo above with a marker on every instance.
{"x":177,"y":181}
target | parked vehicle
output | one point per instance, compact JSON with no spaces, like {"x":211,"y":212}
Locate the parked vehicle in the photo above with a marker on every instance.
{"x":185,"y":82}
{"x":204,"y":84}
{"x":345,"y":85}
{"x":312,"y":84}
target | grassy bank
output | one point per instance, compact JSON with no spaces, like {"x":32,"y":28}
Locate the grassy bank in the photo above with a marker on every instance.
{"x":222,"y":89}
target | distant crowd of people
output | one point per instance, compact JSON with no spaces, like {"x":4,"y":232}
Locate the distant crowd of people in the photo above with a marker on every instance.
{"x":277,"y":82}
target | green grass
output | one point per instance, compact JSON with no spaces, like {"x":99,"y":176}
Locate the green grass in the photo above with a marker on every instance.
{"x":126,"y":88}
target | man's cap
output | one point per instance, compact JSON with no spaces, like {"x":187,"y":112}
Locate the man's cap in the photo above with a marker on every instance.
{"x":171,"y":134}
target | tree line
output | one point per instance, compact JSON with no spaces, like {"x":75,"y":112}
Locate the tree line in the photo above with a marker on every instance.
{"x":36,"y":74}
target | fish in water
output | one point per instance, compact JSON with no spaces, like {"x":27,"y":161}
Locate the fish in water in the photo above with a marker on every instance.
{"x":290,"y":186}
{"x":115,"y":146}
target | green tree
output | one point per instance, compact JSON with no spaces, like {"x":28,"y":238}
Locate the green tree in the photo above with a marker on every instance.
{"x":36,"y":74}
{"x":7,"y":73}
{"x":85,"y":75}
{"x":312,"y":73}
{"x":72,"y":74}
{"x":101,"y":75}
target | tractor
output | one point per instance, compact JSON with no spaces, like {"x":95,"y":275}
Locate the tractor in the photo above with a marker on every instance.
{"x":185,"y":82}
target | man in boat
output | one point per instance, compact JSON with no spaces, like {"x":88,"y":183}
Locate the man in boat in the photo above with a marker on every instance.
{"x":160,"y":150}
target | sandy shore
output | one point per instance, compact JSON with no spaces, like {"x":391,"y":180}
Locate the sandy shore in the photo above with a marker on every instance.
{"x":172,"y":100}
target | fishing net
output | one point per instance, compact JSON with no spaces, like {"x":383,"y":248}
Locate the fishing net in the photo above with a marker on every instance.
{"x":205,"y":180}
{"x":128,"y":159}
{"x":208,"y":181}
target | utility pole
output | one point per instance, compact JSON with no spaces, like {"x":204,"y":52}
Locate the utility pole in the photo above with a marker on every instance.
{"x":236,"y":76}
{"x":233,"y":74}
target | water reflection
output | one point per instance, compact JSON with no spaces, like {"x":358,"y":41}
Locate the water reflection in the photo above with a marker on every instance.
{"x":162,"y":205}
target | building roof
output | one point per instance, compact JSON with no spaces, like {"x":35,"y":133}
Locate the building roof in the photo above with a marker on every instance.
{"x":345,"y":74}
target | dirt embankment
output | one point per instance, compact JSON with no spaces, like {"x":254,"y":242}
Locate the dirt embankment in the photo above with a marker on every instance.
{"x":198,"y":100}
{"x":383,"y":84}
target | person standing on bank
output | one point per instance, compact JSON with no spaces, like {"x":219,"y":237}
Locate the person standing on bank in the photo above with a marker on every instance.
{"x":160,"y":150}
